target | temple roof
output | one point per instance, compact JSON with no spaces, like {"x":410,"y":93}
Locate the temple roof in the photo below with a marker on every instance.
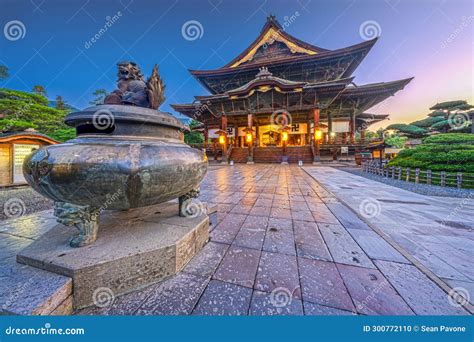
{"x":279,"y":51}
{"x":265,"y":81}
{"x":271,"y":33}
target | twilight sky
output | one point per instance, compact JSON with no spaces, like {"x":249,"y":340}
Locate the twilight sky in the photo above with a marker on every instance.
{"x":48,"y":42}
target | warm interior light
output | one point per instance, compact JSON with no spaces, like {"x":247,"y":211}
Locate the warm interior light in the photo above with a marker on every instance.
{"x":284,"y":136}
{"x":318,"y":134}
{"x":221,"y":139}
{"x":248,"y":137}
{"x":333,"y":134}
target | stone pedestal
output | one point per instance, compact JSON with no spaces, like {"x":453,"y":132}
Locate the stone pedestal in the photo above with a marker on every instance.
{"x":134,"y":248}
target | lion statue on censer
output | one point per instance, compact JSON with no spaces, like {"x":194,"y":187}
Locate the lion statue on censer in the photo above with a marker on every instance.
{"x":133,"y":90}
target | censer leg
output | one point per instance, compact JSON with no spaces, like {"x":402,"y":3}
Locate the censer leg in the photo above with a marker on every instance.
{"x":185,"y":209}
{"x":84,"y":218}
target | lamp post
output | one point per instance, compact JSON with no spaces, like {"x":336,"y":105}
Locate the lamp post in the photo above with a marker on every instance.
{"x":284,"y":139}
{"x":318,"y":134}
{"x":223,"y":142}
{"x":249,"y":140}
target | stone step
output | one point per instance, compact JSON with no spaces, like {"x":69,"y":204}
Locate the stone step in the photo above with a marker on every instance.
{"x":25,"y":290}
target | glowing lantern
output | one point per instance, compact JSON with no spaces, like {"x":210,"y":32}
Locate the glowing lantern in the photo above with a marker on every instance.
{"x":318,"y":135}
{"x":284,"y":136}
{"x":222,"y":139}
{"x":332,"y":134}
{"x":248,"y":137}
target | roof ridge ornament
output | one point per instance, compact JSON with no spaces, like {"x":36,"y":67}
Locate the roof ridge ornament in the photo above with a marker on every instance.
{"x":263,"y":72}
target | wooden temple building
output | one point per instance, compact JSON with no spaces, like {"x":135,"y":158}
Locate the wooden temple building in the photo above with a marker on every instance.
{"x":284,"y":100}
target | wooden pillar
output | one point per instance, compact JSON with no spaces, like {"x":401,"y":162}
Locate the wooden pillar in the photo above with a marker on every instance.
{"x":352,"y":127}
{"x":316,"y":113}
{"x":362,"y":135}
{"x":224,"y":147}
{"x":257,"y":135}
{"x":330,"y":140}
{"x":250,"y":146}
{"x":308,"y":132}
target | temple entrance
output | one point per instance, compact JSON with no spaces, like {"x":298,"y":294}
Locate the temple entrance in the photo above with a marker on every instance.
{"x":270,"y":138}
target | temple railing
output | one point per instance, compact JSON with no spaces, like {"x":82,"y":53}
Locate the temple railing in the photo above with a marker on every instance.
{"x":429,"y":177}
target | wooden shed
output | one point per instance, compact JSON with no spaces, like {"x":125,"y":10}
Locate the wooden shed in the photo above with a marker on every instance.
{"x":14,"y":147}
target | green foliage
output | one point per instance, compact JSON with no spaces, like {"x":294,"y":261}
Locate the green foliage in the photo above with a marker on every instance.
{"x":429,"y":121}
{"x":450,"y":138}
{"x":99,"y":97}
{"x":193,"y":137}
{"x":396,"y":141}
{"x":23,"y":110}
{"x":60,"y":104}
{"x":22,"y":96}
{"x":450,"y":105}
{"x":4,"y":72}
{"x":40,"y":90}
{"x":453,"y":152}
{"x":441,"y":125}
{"x":63,"y":134}
{"x":409,"y":130}
{"x":15,"y":125}
{"x":437,"y":113}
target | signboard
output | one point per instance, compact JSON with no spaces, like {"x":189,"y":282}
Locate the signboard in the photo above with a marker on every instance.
{"x":340,"y":126}
{"x":213,"y":135}
{"x":344,"y":149}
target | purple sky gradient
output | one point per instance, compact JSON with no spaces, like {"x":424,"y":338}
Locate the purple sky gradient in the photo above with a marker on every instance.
{"x":430,"y":40}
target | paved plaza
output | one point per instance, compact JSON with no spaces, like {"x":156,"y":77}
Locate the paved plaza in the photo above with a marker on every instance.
{"x":286,"y":243}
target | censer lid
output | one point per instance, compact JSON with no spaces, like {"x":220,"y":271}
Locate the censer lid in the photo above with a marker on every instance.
{"x":123,"y":113}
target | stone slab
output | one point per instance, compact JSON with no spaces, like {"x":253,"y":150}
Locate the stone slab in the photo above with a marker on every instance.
{"x":239,"y":266}
{"x":264,"y":304}
{"x":134,"y":248}
{"x":420,"y":293}
{"x":309,"y":242}
{"x":175,"y":296}
{"x":375,"y":246}
{"x":278,"y":272}
{"x":342,"y":246}
{"x":224,"y":299}
{"x":25,"y":290}
{"x":371,"y":292}
{"x":322,"y":284}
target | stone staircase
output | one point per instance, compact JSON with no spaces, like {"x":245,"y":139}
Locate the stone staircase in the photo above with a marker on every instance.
{"x":296,"y":153}
{"x":267,"y":154}
{"x":239,"y":154}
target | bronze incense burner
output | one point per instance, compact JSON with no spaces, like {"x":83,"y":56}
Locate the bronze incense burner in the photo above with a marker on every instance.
{"x":126,"y":155}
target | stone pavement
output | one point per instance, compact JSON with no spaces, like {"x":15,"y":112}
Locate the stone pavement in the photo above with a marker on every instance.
{"x":25,"y":290}
{"x":436,"y":231}
{"x":283,"y":245}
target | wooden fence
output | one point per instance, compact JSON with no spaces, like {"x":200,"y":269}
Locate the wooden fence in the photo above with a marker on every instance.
{"x":441,"y":178}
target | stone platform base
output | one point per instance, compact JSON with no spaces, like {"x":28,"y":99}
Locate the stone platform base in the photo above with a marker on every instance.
{"x":134,"y":249}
